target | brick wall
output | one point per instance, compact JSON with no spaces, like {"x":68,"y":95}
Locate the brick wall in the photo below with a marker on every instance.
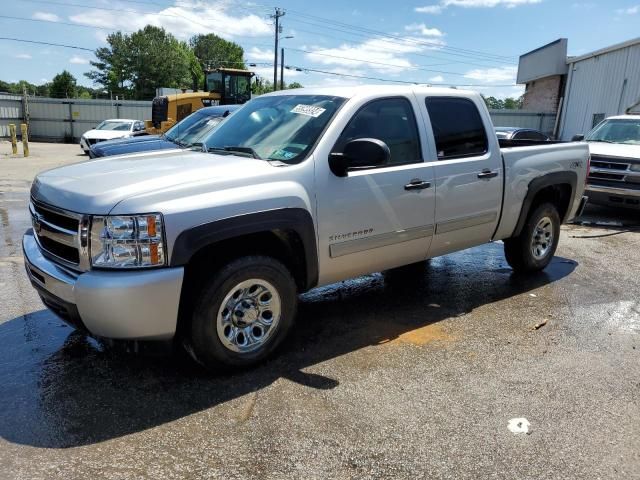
{"x":543,"y":95}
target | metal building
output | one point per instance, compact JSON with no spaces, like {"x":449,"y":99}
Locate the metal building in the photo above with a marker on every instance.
{"x":583,"y":89}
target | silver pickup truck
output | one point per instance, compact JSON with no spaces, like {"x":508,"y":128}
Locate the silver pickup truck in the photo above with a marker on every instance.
{"x":297,"y":189}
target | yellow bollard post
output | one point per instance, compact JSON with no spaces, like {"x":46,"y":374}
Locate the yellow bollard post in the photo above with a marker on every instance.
{"x":14,"y":140}
{"x":25,"y":139}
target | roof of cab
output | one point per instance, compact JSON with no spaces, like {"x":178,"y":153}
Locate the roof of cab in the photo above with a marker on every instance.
{"x":353,"y":91}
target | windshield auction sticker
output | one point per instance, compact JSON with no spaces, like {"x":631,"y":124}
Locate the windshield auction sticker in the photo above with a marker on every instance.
{"x":308,"y":110}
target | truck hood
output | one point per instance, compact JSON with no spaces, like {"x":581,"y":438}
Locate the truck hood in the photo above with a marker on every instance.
{"x":95,"y":187}
{"x":614,"y":149}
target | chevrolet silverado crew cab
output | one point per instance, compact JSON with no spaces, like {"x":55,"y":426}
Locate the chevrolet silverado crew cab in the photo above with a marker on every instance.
{"x":297,"y":189}
{"x":614,"y":177}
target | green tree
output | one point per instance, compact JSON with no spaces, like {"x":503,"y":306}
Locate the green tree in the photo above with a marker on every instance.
{"x":215,"y":52}
{"x":195,"y":68}
{"x":63,"y":85}
{"x":294,"y":85}
{"x":513,"y":103}
{"x":493,"y":103}
{"x":141,"y":62}
{"x":43,"y":90}
{"x":111,"y":70}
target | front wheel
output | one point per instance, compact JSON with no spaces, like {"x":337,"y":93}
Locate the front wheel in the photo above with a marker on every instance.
{"x":534,"y":248}
{"x":243,"y":313}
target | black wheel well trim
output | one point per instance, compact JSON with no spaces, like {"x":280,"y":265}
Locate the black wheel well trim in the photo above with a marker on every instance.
{"x":540,"y":183}
{"x":298,"y":220}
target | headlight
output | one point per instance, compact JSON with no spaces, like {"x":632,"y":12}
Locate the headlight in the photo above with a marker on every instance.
{"x":635,"y":167}
{"x":127,"y":241}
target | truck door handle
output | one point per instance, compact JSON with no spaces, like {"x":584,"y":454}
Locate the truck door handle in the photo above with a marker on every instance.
{"x":486,"y":173}
{"x":417,"y":185}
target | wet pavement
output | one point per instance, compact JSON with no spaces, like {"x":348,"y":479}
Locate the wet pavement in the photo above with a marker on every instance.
{"x":382,"y":377}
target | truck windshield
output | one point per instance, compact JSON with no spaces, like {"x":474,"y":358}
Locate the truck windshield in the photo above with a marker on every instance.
{"x":192,"y":129}
{"x":283,"y":127}
{"x":616,"y":131}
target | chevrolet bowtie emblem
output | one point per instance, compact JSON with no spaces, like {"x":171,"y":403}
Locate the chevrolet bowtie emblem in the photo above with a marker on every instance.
{"x":37,"y":222}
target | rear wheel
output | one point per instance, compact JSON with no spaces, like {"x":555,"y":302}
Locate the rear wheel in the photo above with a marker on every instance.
{"x":243,"y":313}
{"x":534,"y":248}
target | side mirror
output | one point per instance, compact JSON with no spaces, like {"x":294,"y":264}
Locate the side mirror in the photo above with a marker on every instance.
{"x":577,"y":138}
{"x":358,"y":154}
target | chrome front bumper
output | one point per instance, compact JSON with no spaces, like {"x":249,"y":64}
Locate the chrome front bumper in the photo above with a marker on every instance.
{"x":131,"y":305}
{"x":614,"y":196}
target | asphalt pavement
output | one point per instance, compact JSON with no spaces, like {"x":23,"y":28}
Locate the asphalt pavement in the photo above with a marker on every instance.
{"x":425,"y":376}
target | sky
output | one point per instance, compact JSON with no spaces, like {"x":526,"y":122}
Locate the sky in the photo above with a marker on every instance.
{"x":470,"y":43}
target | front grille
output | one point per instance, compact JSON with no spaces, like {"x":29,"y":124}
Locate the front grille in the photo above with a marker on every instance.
{"x":613,"y":169}
{"x":70,"y":254}
{"x":68,"y":223}
{"x":62,"y":235}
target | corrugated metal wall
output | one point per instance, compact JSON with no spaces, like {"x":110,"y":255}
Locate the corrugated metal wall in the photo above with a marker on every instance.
{"x":524,"y":119}
{"x":10,"y":112}
{"x":57,"y":119}
{"x":605,"y":84}
{"x":49,"y":118}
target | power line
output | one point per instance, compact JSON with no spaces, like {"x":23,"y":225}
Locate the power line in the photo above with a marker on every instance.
{"x":377,"y":63}
{"x":129,"y":10}
{"x":370,"y":31}
{"x":391,"y":80}
{"x":46,"y":43}
{"x":59,"y":23}
{"x":447,"y":61}
{"x":405,"y":42}
{"x":378,"y":32}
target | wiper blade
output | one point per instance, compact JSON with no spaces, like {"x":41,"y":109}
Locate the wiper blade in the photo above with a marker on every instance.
{"x":245,"y":151}
{"x":602,"y":141}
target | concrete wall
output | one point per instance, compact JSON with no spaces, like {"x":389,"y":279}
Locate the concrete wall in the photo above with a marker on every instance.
{"x":56,"y":119}
{"x":543,"y":94}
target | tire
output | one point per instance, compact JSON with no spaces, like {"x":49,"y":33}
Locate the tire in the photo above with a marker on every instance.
{"x":242,"y":313}
{"x":525,"y":253}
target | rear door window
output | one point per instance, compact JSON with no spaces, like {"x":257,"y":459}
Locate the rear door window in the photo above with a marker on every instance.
{"x":457,"y":127}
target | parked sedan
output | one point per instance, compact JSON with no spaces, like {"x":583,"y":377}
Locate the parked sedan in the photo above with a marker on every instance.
{"x":517,"y":133}
{"x":110,"y":129}
{"x":183,"y":134}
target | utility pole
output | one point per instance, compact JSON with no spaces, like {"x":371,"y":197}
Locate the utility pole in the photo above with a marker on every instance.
{"x":279,"y":13}
{"x":282,"y":69}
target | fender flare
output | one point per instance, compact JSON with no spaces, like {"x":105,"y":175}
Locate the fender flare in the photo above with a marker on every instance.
{"x":536,"y":185}
{"x":298,"y":220}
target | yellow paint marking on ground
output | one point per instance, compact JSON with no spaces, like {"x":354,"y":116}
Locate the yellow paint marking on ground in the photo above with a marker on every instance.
{"x":424,"y":335}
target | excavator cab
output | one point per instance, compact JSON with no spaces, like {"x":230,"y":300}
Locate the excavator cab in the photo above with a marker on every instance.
{"x":222,"y":86}
{"x":232,"y":85}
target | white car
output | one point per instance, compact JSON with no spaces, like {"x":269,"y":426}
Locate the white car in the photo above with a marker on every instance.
{"x":110,"y":129}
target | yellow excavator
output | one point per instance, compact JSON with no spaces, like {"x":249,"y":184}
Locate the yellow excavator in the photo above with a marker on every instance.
{"x":222,"y":86}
